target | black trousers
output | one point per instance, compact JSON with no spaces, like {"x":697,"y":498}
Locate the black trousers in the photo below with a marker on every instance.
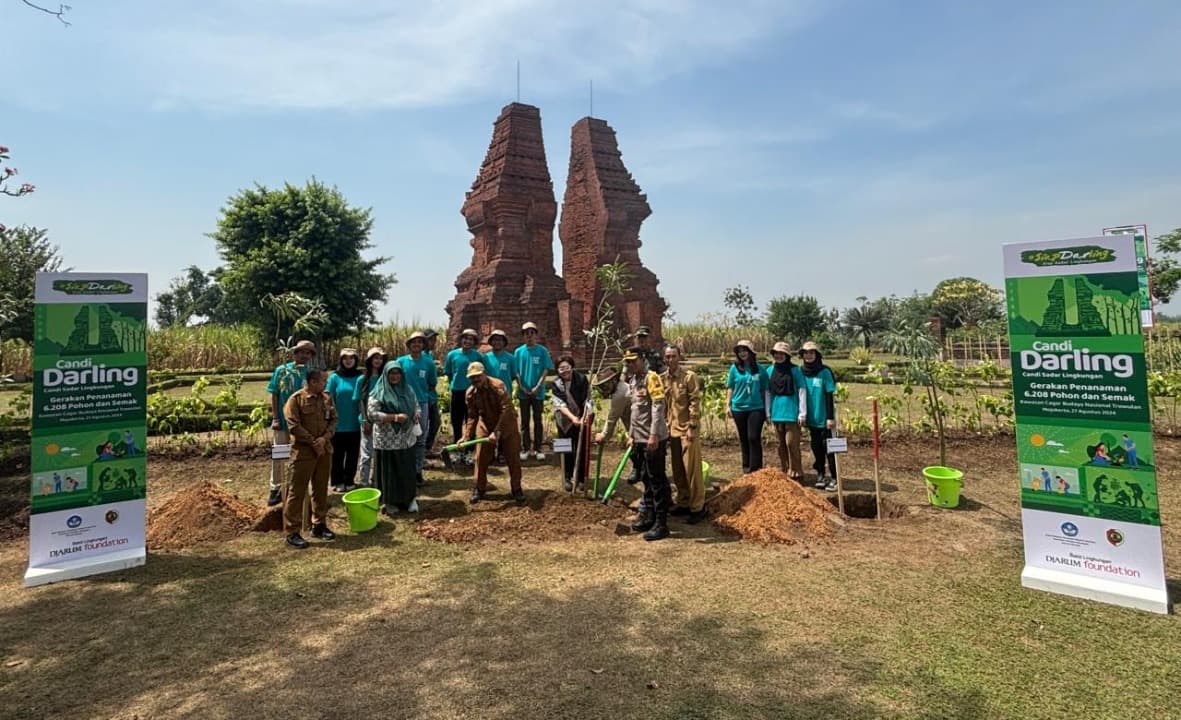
{"x":817,"y":438}
{"x":458,"y":413}
{"x":750,"y":437}
{"x":531,"y":407}
{"x":346,"y":451}
{"x":433,"y":432}
{"x":658,"y":494}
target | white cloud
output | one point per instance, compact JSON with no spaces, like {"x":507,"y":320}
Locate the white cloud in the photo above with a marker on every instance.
{"x":395,"y":54}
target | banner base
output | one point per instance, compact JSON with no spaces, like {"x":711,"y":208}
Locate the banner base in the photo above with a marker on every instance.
{"x":73,"y":569}
{"x":1116,"y":593}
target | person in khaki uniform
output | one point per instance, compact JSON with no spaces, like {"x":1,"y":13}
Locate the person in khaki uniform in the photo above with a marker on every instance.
{"x":682,"y":389}
{"x":311,"y":418}
{"x":490,"y":414}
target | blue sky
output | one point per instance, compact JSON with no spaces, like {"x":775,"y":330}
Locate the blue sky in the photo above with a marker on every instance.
{"x":831,"y":148}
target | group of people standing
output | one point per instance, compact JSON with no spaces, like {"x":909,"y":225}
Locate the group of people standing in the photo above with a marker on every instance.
{"x":380,"y":416}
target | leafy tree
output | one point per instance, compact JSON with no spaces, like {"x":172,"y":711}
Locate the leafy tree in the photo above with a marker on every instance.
{"x":1164,"y":270}
{"x":739,"y":301}
{"x":966,"y":301}
{"x":26,"y":252}
{"x":7,"y":173}
{"x":866,"y":320}
{"x":916,"y":343}
{"x":193,"y":295}
{"x":796,"y":318}
{"x":304,"y":240}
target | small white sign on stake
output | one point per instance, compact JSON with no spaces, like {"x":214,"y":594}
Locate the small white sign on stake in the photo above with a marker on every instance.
{"x":838,"y":445}
{"x":280,"y":452}
{"x":563,"y":445}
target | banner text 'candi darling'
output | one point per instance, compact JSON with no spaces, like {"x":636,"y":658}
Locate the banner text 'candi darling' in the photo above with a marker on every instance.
{"x":1063,"y":356}
{"x":77,"y":373}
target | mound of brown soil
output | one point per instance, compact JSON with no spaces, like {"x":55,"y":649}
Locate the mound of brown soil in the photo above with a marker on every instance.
{"x":198,"y":514}
{"x":547,"y":516}
{"x":768,"y":506}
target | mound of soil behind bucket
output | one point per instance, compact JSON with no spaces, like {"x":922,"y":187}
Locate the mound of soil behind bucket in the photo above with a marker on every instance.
{"x":363,"y":506}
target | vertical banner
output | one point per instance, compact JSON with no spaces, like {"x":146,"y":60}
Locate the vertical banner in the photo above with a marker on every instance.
{"x":87,"y":510}
{"x":1089,"y":506}
{"x":1139,"y":233}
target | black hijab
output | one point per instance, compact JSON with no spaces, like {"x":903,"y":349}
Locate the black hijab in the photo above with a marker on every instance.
{"x":354,"y":371}
{"x":783,"y":380}
{"x":813,"y":368}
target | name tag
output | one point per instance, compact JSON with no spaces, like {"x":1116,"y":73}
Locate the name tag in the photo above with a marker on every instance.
{"x":536,"y":361}
{"x":422,"y":373}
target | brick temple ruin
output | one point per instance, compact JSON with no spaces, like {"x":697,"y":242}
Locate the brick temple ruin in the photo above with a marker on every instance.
{"x":510,"y":212}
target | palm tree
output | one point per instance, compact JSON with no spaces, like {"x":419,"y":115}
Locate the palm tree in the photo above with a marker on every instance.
{"x":866,"y":321}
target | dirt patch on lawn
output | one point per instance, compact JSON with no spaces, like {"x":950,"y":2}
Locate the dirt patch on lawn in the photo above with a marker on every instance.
{"x":199,"y":514}
{"x":768,"y":506}
{"x":547,"y":516}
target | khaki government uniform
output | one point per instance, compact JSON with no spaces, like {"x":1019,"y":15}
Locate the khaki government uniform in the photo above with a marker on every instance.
{"x":490,"y":410}
{"x":308,"y":417}
{"x":683,"y":398}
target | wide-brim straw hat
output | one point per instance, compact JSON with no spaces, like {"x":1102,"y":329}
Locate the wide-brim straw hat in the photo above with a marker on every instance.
{"x":476,"y":368}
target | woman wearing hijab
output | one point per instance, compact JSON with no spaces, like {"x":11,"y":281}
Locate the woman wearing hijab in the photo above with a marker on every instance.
{"x":346,"y":443}
{"x":821,"y":383}
{"x":395,"y":414}
{"x":570,"y":391}
{"x":746,"y":389}
{"x":789,"y":402}
{"x":374,"y":360}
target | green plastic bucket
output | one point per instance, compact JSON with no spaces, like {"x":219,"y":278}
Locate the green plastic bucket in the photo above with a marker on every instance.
{"x":705,"y":472}
{"x":943,"y":485}
{"x":362,"y":506}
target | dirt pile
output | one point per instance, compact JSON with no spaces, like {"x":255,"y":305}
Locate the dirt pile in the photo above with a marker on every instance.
{"x":768,"y":506}
{"x":547,"y":516}
{"x":198,"y":514}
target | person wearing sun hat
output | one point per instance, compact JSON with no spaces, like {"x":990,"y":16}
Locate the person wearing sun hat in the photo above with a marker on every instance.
{"x":789,"y":406}
{"x":500,"y":364}
{"x":821,"y":386}
{"x":455,"y":368}
{"x":286,"y":380}
{"x":746,"y":388}
{"x":420,"y":372}
{"x":490,"y":414}
{"x":533,"y":361}
{"x":370,"y":376}
{"x":430,"y":337}
{"x":346,"y":441}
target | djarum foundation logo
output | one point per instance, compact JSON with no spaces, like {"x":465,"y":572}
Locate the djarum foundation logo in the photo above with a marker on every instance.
{"x":1059,"y":257}
{"x":92,"y":287}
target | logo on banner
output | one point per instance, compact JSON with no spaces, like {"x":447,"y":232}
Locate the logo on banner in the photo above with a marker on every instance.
{"x":73,"y":521}
{"x":1061,"y":257}
{"x":1115,"y":537}
{"x":92,"y":287}
{"x":1069,"y":529}
{"x":111,"y":517}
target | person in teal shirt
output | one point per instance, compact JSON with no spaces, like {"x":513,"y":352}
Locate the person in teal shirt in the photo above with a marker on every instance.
{"x":499,"y":363}
{"x":374,"y":361}
{"x":455,"y":368}
{"x":533,"y":361}
{"x":821,"y":385}
{"x":346,"y":441}
{"x":422,"y":377}
{"x":287,"y":379}
{"x":789,"y":402}
{"x":746,"y":403}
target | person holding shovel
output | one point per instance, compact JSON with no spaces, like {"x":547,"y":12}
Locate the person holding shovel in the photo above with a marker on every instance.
{"x":821,"y":385}
{"x":490,"y":414}
{"x":683,"y":390}
{"x":649,"y":438}
{"x":311,"y":419}
{"x":396,"y":416}
{"x":286,"y":380}
{"x":789,"y":403}
{"x":570,"y":391}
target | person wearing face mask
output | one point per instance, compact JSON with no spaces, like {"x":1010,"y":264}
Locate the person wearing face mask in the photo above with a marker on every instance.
{"x":570,"y":392}
{"x":746,"y":389}
{"x":374,"y":362}
{"x":821,"y":385}
{"x":455,"y":368}
{"x":789,"y":405}
{"x":346,"y":441}
{"x":286,"y":380}
{"x":396,"y":417}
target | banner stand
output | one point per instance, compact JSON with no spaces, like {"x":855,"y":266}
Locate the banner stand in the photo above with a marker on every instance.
{"x":73,"y":569}
{"x":1088,"y":588}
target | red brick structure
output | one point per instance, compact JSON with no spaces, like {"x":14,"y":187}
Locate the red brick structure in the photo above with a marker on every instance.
{"x":601,"y":216}
{"x":510,"y":212}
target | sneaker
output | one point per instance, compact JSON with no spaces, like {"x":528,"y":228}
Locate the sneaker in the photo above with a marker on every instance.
{"x":525,"y":455}
{"x":580,"y":487}
{"x":539,"y":455}
{"x":831,"y":485}
{"x":296,"y":541}
{"x":567,"y":485}
{"x":321,"y":532}
{"x":469,"y":458}
{"x":413,"y":506}
{"x":338,"y":489}
{"x":475,"y":498}
{"x":820,"y":482}
{"x":633,"y":478}
{"x":519,"y":497}
{"x":274,"y":498}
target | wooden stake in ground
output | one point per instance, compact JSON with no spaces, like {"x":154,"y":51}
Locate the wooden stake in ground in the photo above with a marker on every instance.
{"x":877,"y":486}
{"x":834,"y":449}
